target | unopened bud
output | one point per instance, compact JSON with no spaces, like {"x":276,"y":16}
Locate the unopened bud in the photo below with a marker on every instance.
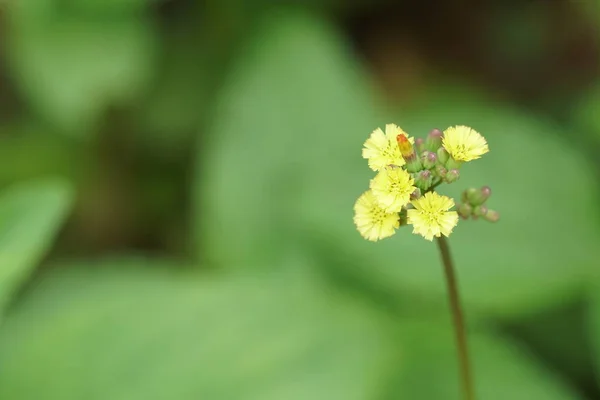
{"x":415,"y":194}
{"x":478,"y":196}
{"x":406,"y":148}
{"x":442,"y":155}
{"x":486,"y":191}
{"x":419,"y":143}
{"x":423,"y":180}
{"x":428,"y":159}
{"x":492,"y":216}
{"x":451,"y":163}
{"x":441,"y":171}
{"x":465,"y":210}
{"x":480,"y":211}
{"x":413,"y":165}
{"x":467,"y":194}
{"x":452,"y":175}
{"x":434,"y":140}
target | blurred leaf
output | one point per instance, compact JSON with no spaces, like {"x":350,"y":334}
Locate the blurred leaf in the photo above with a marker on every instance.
{"x":71,"y":67}
{"x":123,"y":330}
{"x":501,"y":370}
{"x":586,"y":115}
{"x":284,"y":169}
{"x":294,"y":98}
{"x":30,"y":216}
{"x":568,"y":348}
{"x":35,"y":8}
{"x":196,"y":47}
{"x":30,"y":152}
{"x":594,"y":324}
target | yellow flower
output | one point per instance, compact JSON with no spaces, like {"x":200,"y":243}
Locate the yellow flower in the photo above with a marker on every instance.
{"x":431,"y":217}
{"x":371,"y":220}
{"x":381,"y":149}
{"x":392,"y":188}
{"x":464,"y":143}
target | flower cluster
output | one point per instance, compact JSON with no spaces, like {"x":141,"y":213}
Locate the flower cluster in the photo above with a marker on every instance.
{"x":408,"y":171}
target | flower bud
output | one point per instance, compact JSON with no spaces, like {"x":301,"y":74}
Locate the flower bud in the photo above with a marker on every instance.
{"x":406,"y":148}
{"x":452,"y":163}
{"x":441,"y":171}
{"x":480,"y":211}
{"x":423,"y":180}
{"x":442,"y":155}
{"x":434,"y":140}
{"x":419,"y":144}
{"x":486,"y":191}
{"x":428,"y":159}
{"x":478,"y":196}
{"x":414,"y":165}
{"x":465,"y":210}
{"x":415,"y":194}
{"x":452,"y":175}
{"x":492,"y":216}
{"x":465,"y":195}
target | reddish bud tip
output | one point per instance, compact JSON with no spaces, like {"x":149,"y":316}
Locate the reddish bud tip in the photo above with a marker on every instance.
{"x":405,"y":147}
{"x":435,"y":133}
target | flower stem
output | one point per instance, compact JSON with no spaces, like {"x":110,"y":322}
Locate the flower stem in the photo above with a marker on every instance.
{"x":458,"y":320}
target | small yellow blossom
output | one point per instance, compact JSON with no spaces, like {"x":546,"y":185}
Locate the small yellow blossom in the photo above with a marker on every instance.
{"x":381,"y":149}
{"x":431,"y":217}
{"x":371,"y":220}
{"x":392,"y":188}
{"x":464,"y":143}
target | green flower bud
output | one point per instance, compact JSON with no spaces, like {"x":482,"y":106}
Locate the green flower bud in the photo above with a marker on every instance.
{"x":414,"y":165}
{"x":419,"y":144}
{"x":416,"y":194}
{"x":452,"y":163}
{"x":492,"y":216}
{"x":480,"y":211}
{"x":429,"y":159}
{"x":440,"y":171}
{"x":443,"y":155}
{"x":478,"y":196}
{"x":465,"y":210}
{"x":465,"y":195}
{"x":423,"y":180}
{"x":434,"y":140}
{"x":452,"y":175}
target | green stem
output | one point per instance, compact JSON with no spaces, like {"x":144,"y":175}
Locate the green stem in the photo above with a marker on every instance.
{"x":458,"y":320}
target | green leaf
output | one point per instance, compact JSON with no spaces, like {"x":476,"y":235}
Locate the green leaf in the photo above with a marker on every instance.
{"x":594,"y":323}
{"x":294,"y":99}
{"x":71,"y":67}
{"x":134,"y":329}
{"x":29,"y":151}
{"x":30,"y":216}
{"x":501,"y":370}
{"x":586,"y":115}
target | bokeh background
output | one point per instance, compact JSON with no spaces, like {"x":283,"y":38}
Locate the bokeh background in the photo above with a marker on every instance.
{"x":177,"y":181}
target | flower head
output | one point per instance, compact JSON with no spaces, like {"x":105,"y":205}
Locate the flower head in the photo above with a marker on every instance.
{"x":464,"y":143}
{"x":392,"y":188}
{"x":431,"y":217}
{"x":371,"y":220}
{"x":381,"y":149}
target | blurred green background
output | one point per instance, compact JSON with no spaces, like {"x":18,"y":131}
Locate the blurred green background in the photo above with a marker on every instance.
{"x":177,"y":181}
